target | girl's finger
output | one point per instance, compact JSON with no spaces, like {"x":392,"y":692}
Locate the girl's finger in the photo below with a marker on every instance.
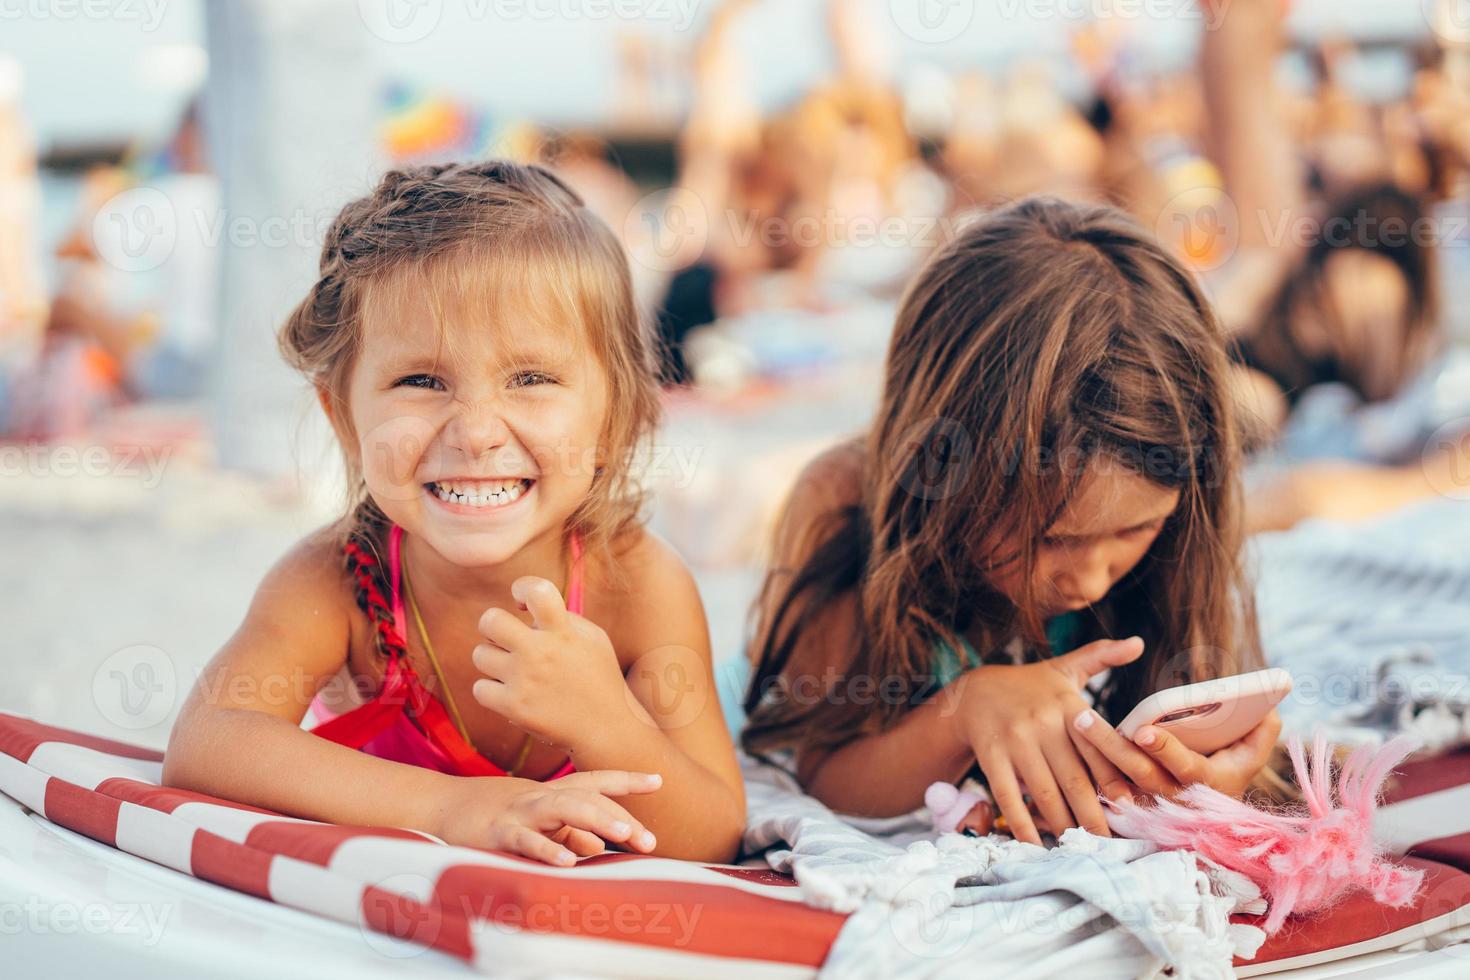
{"x":1183,"y":763}
{"x":1001,"y":779}
{"x":1129,"y":758}
{"x":1096,"y":657}
{"x":493,"y":661}
{"x":1108,"y":778}
{"x":544,"y":601}
{"x":493,"y":694}
{"x":579,"y":842}
{"x":503,"y":629}
{"x":1253,"y":748}
{"x":527,"y":842}
{"x":591,"y":811}
{"x":1076,"y":784}
{"x":612,"y":782}
{"x":1041,"y":783}
{"x":599,"y":815}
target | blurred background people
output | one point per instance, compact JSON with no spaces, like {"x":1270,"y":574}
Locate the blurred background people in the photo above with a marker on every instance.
{"x":777,"y":170}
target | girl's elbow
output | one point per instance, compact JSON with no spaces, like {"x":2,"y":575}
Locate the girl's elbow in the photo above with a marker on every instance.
{"x":728,"y":832}
{"x":716,"y":841}
{"x":715,"y":846}
{"x":190,"y":758}
{"x":180,"y":768}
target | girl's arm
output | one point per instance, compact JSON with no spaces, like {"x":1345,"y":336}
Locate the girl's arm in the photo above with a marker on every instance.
{"x":1245,"y":134}
{"x":673,"y":723}
{"x":238,"y":736}
{"x":1351,"y":491}
{"x":880,"y":775}
{"x":561,"y":680}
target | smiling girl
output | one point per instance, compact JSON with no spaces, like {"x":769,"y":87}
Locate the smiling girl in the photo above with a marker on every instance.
{"x":492,"y":647}
{"x":1042,"y":526}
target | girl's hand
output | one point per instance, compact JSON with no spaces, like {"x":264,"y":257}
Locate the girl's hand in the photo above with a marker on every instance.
{"x":555,"y":822}
{"x":1015,"y":719}
{"x":554,"y":680}
{"x":1157,"y":762}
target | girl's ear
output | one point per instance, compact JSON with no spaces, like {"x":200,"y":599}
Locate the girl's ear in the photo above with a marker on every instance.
{"x":329,"y":408}
{"x":325,"y":398}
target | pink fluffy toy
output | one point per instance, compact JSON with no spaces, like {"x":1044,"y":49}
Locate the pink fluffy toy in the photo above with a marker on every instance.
{"x":1302,"y":859}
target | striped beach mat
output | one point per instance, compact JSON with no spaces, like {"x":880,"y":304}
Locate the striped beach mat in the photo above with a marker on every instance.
{"x":617,"y":914}
{"x":623,"y":914}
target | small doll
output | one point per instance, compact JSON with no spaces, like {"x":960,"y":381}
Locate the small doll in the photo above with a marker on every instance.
{"x":966,"y":808}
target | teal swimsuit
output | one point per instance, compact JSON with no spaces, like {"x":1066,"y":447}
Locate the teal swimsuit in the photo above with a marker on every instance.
{"x":1061,"y":635}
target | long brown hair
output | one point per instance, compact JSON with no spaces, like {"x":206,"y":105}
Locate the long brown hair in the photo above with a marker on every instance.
{"x":443,"y":228}
{"x":1044,"y":338}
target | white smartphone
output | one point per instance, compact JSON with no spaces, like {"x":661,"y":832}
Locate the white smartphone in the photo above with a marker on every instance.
{"x":1210,"y":715}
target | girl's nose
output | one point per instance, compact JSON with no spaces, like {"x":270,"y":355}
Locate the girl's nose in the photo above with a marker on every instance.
{"x":477,"y":429}
{"x":1090,"y":579}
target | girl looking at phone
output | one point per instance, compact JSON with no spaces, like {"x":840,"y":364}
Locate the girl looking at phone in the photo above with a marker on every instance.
{"x":1041,"y":528}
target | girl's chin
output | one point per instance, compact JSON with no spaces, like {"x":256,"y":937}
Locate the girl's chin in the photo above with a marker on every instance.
{"x":476,"y":549}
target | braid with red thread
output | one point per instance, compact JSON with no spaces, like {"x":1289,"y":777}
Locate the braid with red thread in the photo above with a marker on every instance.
{"x":365,"y":566}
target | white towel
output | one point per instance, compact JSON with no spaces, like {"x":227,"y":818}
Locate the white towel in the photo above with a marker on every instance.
{"x":993,"y":906}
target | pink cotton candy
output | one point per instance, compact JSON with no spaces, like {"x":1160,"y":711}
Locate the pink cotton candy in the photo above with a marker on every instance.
{"x":1303,"y":858}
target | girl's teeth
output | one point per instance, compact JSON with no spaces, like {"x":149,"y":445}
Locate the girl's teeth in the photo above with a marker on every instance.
{"x":481,"y":494}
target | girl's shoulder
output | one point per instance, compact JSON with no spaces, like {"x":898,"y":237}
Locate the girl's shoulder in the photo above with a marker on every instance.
{"x":315,"y":563}
{"x":834,"y":477}
{"x":307,"y":591}
{"x":831,"y":483}
{"x":642,"y":593}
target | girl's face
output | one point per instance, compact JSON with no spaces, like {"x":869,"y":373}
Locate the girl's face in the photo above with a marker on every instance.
{"x":482,"y":436}
{"x":1105,"y":531}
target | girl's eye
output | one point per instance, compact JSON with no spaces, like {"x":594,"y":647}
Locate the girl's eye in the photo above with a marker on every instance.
{"x":425,"y":381}
{"x":525,"y":379}
{"x":1050,"y":542}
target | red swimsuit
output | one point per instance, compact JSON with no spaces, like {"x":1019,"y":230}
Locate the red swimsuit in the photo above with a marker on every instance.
{"x":404,"y":722}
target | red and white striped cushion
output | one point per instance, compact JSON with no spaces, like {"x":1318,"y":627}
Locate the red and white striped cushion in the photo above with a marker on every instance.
{"x":618,"y":913}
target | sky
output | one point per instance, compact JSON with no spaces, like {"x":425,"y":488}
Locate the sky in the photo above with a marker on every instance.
{"x":108,"y":69}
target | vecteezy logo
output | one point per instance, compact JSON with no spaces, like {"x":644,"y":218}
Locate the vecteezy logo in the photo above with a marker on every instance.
{"x":926,"y":922}
{"x":938,"y":455}
{"x":1446,"y":462}
{"x":664,"y":675}
{"x":135,"y":231}
{"x":391,"y":455}
{"x":932,"y":21}
{"x":400,"y":21}
{"x":1201,"y":225}
{"x":1448,"y":19}
{"x":400,"y":917}
{"x":667,"y":230}
{"x":136,"y":687}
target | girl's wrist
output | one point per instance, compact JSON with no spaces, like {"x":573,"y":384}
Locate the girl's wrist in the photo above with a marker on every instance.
{"x":615,"y":716}
{"x":454,"y":795}
{"x":614,"y":727}
{"x":440,"y":803}
{"x":954,"y":704}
